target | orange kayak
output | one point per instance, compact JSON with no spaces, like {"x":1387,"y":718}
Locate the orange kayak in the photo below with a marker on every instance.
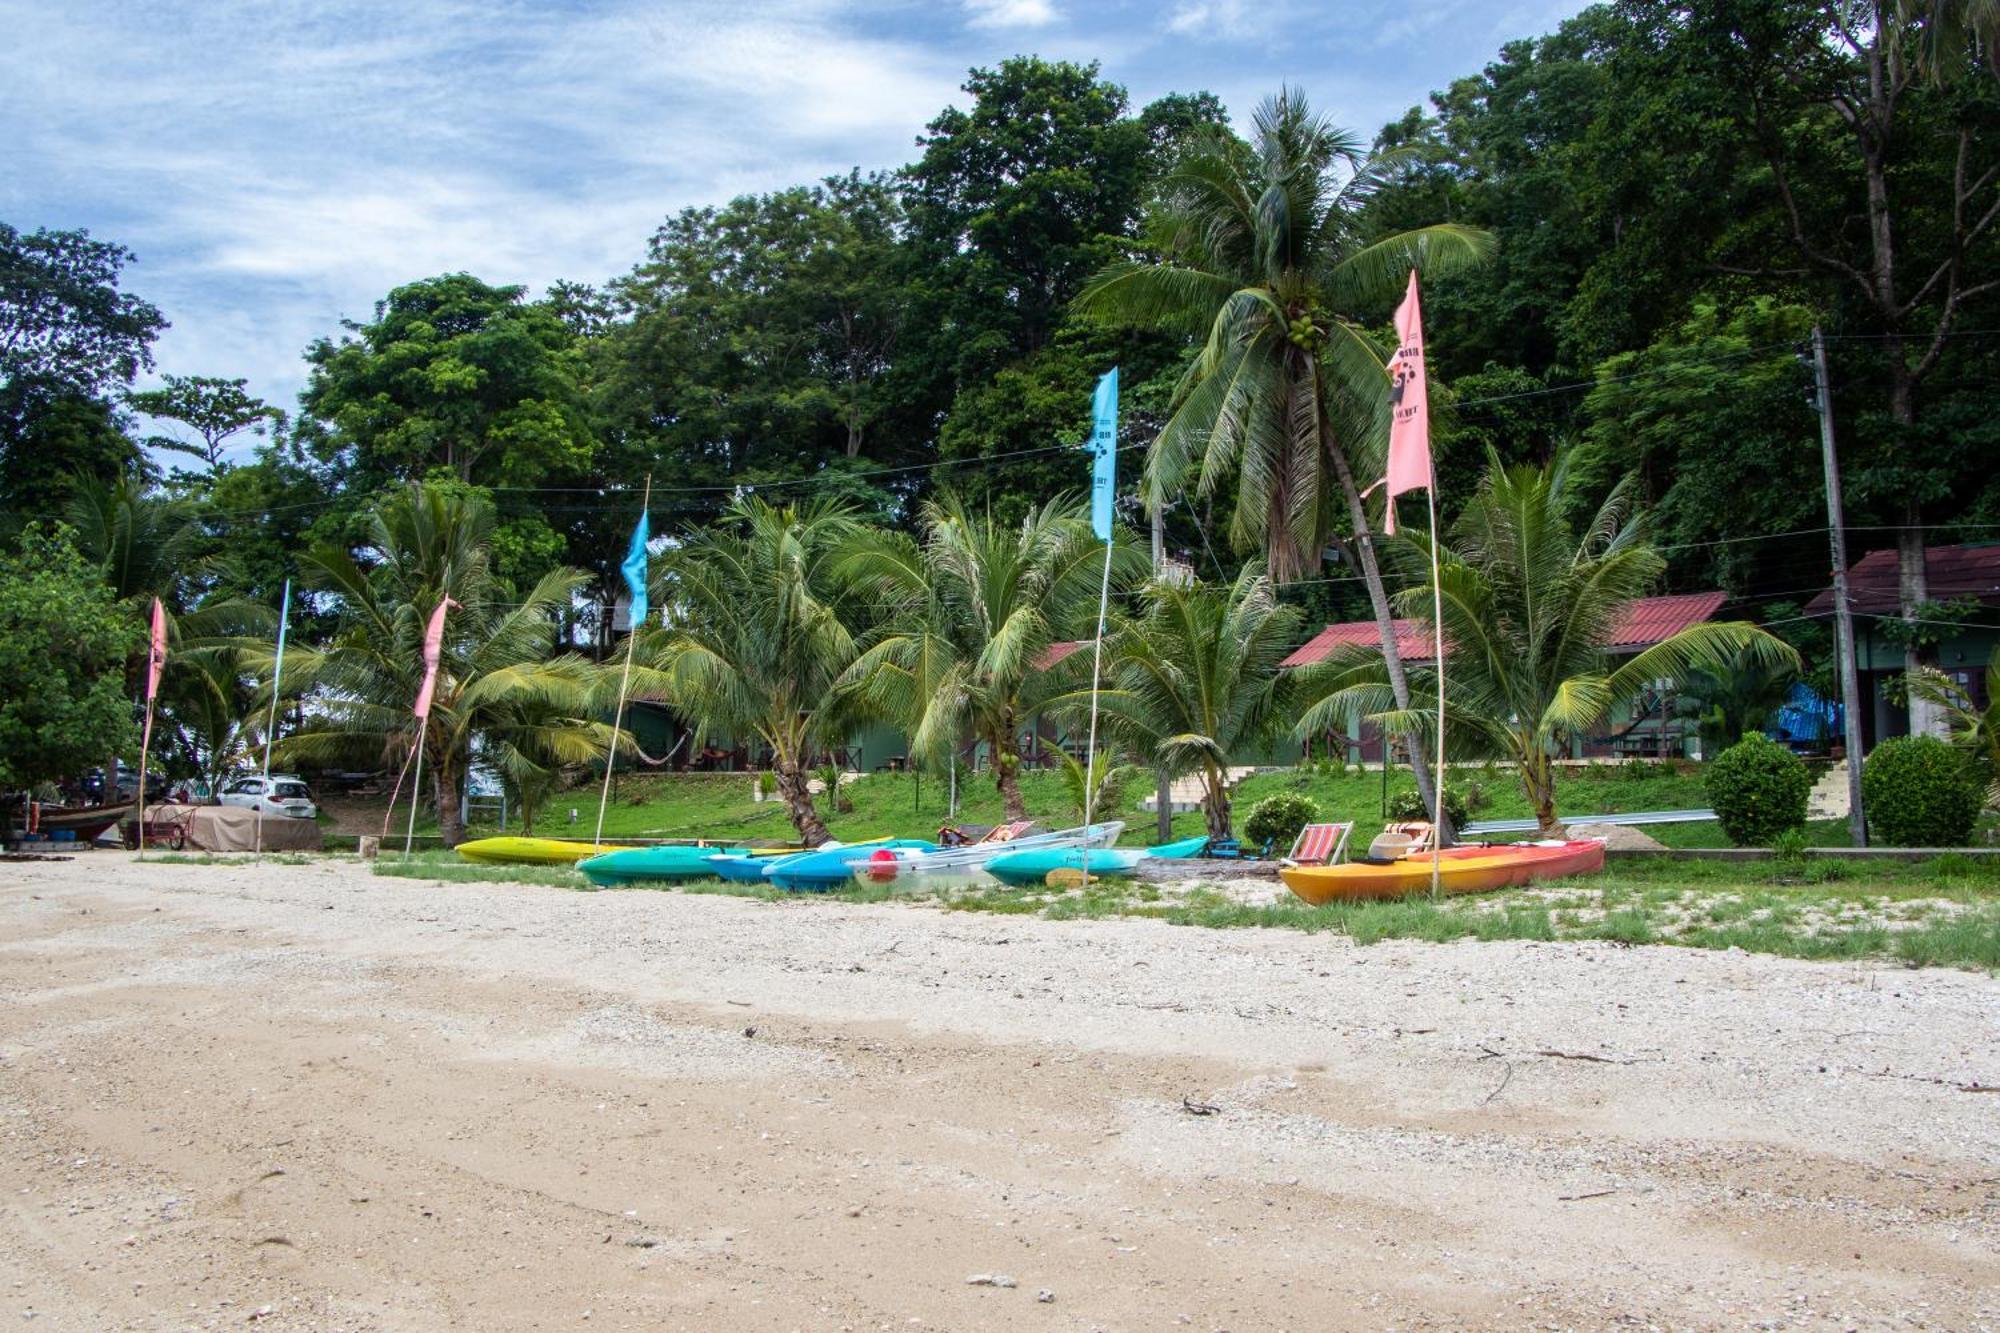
{"x":1460,"y":870}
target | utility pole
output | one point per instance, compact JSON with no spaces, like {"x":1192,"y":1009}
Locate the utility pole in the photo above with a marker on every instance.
{"x":1163,"y":788}
{"x":1843,"y":618}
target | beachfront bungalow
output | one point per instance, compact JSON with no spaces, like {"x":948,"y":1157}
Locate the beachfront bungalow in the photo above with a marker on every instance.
{"x":1643,"y":728}
{"x":1967,"y":574}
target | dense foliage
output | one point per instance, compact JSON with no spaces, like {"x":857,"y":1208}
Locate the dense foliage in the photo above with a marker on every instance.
{"x":1920,"y":792}
{"x":61,"y":638}
{"x":1758,"y":790}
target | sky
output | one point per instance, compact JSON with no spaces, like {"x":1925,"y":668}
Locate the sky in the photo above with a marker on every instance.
{"x":278,"y":166}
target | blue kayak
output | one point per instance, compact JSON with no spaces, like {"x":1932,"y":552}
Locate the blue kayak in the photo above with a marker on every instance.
{"x":833,"y":867}
{"x":1032,"y":867}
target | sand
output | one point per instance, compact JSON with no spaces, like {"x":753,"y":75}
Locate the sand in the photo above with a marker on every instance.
{"x":299,"y":1097}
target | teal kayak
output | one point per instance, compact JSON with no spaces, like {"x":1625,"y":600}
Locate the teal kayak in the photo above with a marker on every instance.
{"x":1178,"y":851}
{"x":1031,"y":867}
{"x":637,"y":865}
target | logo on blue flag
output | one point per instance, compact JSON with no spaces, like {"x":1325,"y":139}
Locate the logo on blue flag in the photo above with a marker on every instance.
{"x":1104,"y":445}
{"x":634,"y":570}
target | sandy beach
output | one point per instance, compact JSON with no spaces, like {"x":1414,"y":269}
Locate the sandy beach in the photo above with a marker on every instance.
{"x":301,"y":1097}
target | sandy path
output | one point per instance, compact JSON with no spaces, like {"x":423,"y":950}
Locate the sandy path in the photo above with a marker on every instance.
{"x":300,"y":1097}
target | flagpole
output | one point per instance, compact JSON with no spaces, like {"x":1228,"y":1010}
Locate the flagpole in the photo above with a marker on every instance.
{"x":1437,"y":645}
{"x":145,"y":744}
{"x":416,"y":786}
{"x":1096,"y":674}
{"x":271,"y":726}
{"x":624,"y":680}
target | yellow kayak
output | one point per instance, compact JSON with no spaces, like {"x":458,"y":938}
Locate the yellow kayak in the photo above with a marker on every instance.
{"x":530,"y":851}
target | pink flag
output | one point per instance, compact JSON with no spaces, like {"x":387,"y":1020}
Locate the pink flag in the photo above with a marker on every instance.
{"x":156,"y":658}
{"x":433,"y":648}
{"x":1409,"y":407}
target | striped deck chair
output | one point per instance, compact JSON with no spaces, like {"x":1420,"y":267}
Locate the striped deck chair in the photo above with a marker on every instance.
{"x":1008,"y":832}
{"x":1319,"y":845}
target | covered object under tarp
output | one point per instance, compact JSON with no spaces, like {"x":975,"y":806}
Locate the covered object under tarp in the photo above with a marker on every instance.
{"x":229,"y":828}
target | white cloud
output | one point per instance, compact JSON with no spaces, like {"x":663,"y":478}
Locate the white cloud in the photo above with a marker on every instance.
{"x":1229,"y":19}
{"x":1010,"y":13}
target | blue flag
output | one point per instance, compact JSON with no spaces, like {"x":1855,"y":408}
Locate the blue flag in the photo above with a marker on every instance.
{"x":635,"y":570}
{"x":1104,"y":445}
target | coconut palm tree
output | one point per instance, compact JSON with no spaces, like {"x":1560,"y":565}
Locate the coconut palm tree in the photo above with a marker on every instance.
{"x":1529,"y":603}
{"x":1974,"y":729}
{"x":976,"y":605}
{"x":1259,"y":250}
{"x":1735,"y":698}
{"x":501,"y":683}
{"x":759,"y":644}
{"x":1195,"y":679}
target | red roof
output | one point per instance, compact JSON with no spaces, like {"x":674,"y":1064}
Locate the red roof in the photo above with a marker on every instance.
{"x":1643,"y":623}
{"x":1949,"y":572}
{"x":1650,"y":620}
{"x":1413,"y":641}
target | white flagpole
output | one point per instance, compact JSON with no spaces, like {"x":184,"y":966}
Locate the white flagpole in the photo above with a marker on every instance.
{"x":1437,"y":645}
{"x":416,"y":786}
{"x":618,"y":714}
{"x":271,"y":726}
{"x":1096,"y":673}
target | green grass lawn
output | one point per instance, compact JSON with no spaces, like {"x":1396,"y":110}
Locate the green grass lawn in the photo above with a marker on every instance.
{"x":721,"y":805}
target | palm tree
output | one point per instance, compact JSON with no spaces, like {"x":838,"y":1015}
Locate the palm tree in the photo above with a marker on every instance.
{"x":1196,"y":678}
{"x":1528,"y":606}
{"x":501,"y":684}
{"x":760,"y":645}
{"x":1735,"y":698}
{"x":1259,"y":249}
{"x":976,"y":605}
{"x":1972,"y":728}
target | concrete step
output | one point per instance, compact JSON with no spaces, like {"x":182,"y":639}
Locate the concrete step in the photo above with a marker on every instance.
{"x":1184,"y":794}
{"x":1828,"y":798}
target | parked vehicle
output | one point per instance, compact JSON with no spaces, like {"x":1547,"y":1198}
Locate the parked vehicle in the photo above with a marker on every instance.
{"x":280,"y":794}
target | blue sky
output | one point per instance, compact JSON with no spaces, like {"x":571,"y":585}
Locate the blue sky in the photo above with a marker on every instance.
{"x":280,"y":165}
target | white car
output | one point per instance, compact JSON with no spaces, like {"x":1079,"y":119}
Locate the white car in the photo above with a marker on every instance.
{"x":281,"y":794}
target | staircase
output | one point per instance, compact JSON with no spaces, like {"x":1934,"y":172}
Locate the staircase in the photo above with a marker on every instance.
{"x":1828,"y":798}
{"x":1184,"y":794}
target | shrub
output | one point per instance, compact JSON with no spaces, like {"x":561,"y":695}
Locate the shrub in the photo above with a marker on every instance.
{"x":1920,"y":792}
{"x":1406,"y":805}
{"x":1276,"y":820}
{"x":1758,"y":789}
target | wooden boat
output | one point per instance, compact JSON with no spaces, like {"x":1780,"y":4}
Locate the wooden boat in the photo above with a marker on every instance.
{"x":84,"y":821}
{"x":638,"y":865}
{"x":1460,"y":870}
{"x":530,"y":851}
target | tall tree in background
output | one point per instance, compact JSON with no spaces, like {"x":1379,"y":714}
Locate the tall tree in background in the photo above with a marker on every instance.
{"x":69,"y":339}
{"x":216,"y":410}
{"x":1257,"y":250}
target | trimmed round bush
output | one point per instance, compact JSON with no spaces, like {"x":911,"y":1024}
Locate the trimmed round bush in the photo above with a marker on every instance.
{"x":1407,"y":805}
{"x":1276,"y":820}
{"x":1758,"y":789}
{"x":1920,"y":792}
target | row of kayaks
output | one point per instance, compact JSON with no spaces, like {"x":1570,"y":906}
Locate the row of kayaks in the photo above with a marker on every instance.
{"x":912,"y":864}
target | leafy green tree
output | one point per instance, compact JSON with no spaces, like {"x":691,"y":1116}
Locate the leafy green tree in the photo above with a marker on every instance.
{"x":1736,"y":698}
{"x":215,"y":410}
{"x":1259,"y":250}
{"x":452,"y":376}
{"x":760,"y":338}
{"x":1972,"y":727}
{"x":760,"y":643}
{"x":1529,"y":601}
{"x":63,"y":640}
{"x":976,"y":604}
{"x":502,"y":687}
{"x":1196,"y":680}
{"x":68,"y":339}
